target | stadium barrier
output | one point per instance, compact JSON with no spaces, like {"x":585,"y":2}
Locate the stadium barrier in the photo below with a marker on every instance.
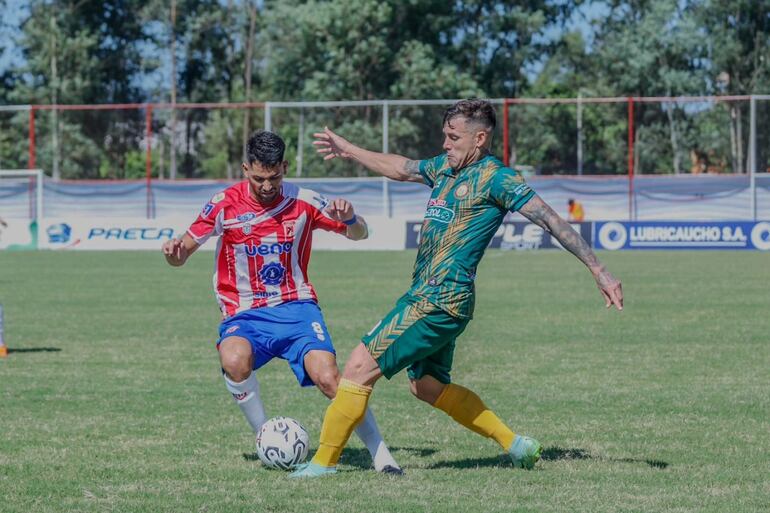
{"x":387,"y":233}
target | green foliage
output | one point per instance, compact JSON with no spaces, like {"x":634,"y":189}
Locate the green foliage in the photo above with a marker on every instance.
{"x":119,"y":51}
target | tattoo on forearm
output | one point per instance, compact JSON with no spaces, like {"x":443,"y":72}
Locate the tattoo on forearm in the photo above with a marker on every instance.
{"x":572,"y":240}
{"x":544,"y":216}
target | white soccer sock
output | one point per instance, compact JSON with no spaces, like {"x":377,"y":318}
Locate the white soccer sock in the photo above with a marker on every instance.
{"x":246,"y":395}
{"x":370,"y":435}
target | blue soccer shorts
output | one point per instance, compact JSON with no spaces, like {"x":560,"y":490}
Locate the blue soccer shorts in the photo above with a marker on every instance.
{"x":287,"y":331}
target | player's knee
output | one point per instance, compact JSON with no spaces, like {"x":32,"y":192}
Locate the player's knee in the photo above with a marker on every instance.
{"x":326,"y":381}
{"x":426,"y":389}
{"x":236,"y":367}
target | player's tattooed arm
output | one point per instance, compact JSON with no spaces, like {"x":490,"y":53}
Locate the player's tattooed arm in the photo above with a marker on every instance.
{"x":411,"y":171}
{"x":540,"y":213}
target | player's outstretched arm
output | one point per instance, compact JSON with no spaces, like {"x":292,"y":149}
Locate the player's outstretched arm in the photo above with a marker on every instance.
{"x":538,"y":211}
{"x":177,"y":251}
{"x":342,"y":210}
{"x":390,"y":165}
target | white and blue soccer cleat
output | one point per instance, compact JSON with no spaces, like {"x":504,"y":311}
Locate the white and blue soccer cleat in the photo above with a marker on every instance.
{"x":524,"y":452}
{"x":311,"y":470}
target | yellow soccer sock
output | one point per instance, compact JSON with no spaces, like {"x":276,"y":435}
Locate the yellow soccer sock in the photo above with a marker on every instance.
{"x":344,"y":413}
{"x":468,"y":409}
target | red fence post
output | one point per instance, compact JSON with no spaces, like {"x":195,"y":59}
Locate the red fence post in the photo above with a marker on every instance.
{"x":630,"y":158}
{"x":148,"y":157}
{"x":32,"y":150}
{"x":506,"y":133}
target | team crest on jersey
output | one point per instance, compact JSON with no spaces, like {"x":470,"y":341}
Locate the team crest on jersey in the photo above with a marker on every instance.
{"x":462,"y":191}
{"x":288,"y":228}
{"x":246,"y":229}
{"x":272,"y":273}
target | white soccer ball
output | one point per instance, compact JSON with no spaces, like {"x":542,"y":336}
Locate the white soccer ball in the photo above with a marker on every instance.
{"x":282,"y":443}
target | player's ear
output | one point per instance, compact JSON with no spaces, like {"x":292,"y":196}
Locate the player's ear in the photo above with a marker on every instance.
{"x":483,"y":138}
{"x":245,"y":168}
{"x":284,"y":167}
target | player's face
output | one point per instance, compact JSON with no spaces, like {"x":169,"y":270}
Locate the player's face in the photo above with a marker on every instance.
{"x":265,"y":181}
{"x":463,"y":142}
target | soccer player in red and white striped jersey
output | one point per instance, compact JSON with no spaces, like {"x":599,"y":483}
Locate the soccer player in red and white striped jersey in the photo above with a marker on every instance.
{"x":270,"y":309}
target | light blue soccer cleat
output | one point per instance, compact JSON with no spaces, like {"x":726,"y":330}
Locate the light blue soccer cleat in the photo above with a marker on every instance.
{"x":311,"y":470}
{"x":525,"y":452}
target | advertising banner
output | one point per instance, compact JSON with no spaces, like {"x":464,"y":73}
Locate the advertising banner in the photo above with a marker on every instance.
{"x":516,"y":235}
{"x":108,"y":233}
{"x":113,"y":233}
{"x":682,"y":235}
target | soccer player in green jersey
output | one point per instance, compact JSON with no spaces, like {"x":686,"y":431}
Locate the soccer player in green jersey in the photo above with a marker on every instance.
{"x":471,"y":193}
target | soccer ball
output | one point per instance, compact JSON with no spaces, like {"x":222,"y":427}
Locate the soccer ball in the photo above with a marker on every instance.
{"x":282,"y":443}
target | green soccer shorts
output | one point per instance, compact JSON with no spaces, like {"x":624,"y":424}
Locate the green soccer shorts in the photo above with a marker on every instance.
{"x":418,"y":335}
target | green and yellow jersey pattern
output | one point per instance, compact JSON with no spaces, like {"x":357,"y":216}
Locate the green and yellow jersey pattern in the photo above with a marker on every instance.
{"x":465,"y":209}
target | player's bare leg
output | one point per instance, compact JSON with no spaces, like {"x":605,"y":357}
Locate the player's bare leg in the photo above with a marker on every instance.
{"x":321,"y":366}
{"x":467,"y":409}
{"x":237,"y":361}
{"x":345,"y":412}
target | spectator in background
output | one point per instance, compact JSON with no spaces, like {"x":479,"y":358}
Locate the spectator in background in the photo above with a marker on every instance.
{"x":575,"y":211}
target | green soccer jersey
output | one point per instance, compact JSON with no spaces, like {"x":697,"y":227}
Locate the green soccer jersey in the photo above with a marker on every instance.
{"x":464,"y":212}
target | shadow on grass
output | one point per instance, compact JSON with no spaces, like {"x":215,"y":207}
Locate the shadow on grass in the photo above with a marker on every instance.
{"x":359,"y":457}
{"x":33,"y":350}
{"x":548,"y":454}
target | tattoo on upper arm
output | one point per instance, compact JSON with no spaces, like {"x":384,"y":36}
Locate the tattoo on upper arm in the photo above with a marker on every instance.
{"x":412,"y":169}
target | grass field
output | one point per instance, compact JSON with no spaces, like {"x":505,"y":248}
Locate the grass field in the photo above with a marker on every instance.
{"x":111,"y":398}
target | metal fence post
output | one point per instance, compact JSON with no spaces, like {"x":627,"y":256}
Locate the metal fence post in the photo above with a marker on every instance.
{"x":753,"y":155}
{"x":385,"y":149}
{"x":268,"y":119}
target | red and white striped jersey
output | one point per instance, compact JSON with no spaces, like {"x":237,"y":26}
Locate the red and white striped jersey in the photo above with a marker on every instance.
{"x":263,"y":252}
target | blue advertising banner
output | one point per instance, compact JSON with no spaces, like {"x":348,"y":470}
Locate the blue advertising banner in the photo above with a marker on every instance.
{"x":615,"y":235}
{"x":516,"y":235}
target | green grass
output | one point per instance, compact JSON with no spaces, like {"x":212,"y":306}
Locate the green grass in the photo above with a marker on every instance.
{"x":111,"y":398}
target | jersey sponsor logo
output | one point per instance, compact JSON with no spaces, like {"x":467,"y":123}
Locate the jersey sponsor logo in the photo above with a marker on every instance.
{"x":272,"y":273}
{"x":248,"y":216}
{"x":277,"y":248}
{"x":440,"y":214}
{"x":436,"y":203}
{"x":217,"y":197}
{"x":462,"y":191}
{"x":207,"y":208}
{"x":521,"y":189}
{"x":231,"y":329}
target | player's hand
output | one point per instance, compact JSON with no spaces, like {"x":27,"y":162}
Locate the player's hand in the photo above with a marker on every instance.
{"x":611,"y":289}
{"x":331,"y":145}
{"x":175,"y":251}
{"x":340,"y":210}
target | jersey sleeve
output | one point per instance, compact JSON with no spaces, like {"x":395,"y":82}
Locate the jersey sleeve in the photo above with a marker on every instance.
{"x":430,"y":168}
{"x":210,"y":220}
{"x":317,"y":204}
{"x":509,"y":190}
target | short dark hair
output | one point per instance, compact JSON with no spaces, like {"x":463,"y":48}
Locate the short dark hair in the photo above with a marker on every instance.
{"x":266,"y":148}
{"x":474,"y":110}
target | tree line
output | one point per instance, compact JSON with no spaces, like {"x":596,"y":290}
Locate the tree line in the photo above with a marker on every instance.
{"x":187,"y":51}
